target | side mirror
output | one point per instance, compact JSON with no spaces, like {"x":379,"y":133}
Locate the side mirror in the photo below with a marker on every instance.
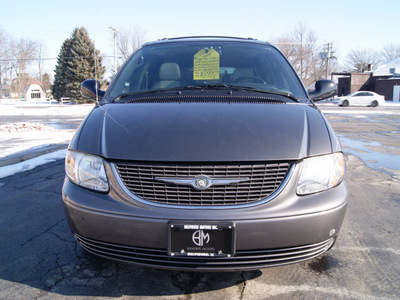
{"x":323,"y":89}
{"x":91,"y":89}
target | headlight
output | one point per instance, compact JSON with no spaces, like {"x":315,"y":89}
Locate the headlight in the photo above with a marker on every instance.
{"x":86,"y":170}
{"x":320,"y":173}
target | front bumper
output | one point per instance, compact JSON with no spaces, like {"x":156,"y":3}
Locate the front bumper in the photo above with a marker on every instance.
{"x":243,"y":260}
{"x":285,"y":230}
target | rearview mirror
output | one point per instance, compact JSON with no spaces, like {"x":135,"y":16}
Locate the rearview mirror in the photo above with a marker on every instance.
{"x":91,"y":89}
{"x":323,"y":89}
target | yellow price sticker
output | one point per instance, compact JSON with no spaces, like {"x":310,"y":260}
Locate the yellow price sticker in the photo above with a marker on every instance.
{"x":206,"y":65}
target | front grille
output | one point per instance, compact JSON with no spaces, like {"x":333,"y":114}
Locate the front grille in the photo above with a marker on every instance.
{"x":242,"y":260}
{"x":264,"y":180}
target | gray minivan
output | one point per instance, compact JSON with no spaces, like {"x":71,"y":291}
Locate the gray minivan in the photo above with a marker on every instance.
{"x":205,"y":153}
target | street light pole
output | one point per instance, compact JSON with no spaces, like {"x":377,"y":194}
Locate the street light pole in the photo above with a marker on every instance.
{"x":115,"y":47}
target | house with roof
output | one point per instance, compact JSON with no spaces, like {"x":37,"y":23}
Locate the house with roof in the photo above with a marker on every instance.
{"x":32,"y":89}
{"x":34,"y":92}
{"x":388,"y":82}
{"x":389,"y":68}
{"x":383,"y":79}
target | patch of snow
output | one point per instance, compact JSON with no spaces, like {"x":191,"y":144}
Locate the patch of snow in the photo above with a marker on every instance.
{"x":20,"y":136}
{"x":360,"y":112}
{"x":31,"y":163}
{"x":47,"y":110}
{"x":23,"y":127}
{"x":16,"y":137}
{"x":384,"y":69}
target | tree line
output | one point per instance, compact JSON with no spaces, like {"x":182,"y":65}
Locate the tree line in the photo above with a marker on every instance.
{"x":17,"y":58}
{"x":78,"y":59}
{"x":303,"y":50}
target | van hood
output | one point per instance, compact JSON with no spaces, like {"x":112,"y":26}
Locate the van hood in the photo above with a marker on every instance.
{"x":205,"y":132}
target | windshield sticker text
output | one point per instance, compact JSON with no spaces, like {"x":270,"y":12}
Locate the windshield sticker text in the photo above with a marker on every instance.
{"x":206,"y":65}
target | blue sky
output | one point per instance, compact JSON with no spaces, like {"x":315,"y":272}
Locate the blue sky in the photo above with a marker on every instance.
{"x":347,"y":24}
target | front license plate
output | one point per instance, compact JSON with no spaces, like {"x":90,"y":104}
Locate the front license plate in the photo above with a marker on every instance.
{"x":201,"y":239}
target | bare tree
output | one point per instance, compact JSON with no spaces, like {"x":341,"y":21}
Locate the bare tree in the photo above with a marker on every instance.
{"x":302,"y":50}
{"x":390,"y":52}
{"x":5,"y":58}
{"x":40,"y":53}
{"x":17,"y":59}
{"x":5,"y":62}
{"x":128,"y":40}
{"x":286,"y":45}
{"x":360,"y":60}
{"x":24,"y":52}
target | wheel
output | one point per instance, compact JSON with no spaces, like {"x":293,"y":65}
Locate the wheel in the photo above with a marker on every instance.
{"x":345,"y":103}
{"x":374,"y":103}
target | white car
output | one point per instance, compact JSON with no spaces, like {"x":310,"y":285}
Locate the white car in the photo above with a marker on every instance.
{"x":362,"y":98}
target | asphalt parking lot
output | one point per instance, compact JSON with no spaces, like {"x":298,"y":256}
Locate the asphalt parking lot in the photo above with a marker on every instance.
{"x":39,"y":258}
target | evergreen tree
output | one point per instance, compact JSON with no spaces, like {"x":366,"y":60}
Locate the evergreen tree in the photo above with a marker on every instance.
{"x":46,"y":82}
{"x":76,"y":63}
{"x":59,"y":88}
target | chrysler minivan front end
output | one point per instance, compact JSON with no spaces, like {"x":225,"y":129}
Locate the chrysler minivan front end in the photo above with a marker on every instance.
{"x":206,"y":154}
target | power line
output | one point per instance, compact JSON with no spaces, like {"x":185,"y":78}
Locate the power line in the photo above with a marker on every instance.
{"x":52,"y":58}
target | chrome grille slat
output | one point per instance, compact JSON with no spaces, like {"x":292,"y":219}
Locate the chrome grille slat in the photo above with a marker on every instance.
{"x":243,"y":259}
{"x":265,"y":179}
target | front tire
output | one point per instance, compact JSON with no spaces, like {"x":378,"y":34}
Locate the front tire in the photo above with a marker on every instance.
{"x":345,"y":103}
{"x":374,"y":103}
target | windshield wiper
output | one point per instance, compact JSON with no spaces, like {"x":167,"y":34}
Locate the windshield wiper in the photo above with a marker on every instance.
{"x":248,"y":89}
{"x":210,"y":86}
{"x":181,"y":88}
{"x":280,"y":93}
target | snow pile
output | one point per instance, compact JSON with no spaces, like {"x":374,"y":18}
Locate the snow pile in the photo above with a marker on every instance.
{"x":12,"y":128}
{"x":32,"y":163}
{"x":46,"y":110}
{"x":31,"y":136}
{"x":20,"y":136}
{"x":16,"y":137}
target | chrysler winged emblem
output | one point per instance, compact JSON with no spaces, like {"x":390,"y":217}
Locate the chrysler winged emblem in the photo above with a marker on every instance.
{"x":201,"y":182}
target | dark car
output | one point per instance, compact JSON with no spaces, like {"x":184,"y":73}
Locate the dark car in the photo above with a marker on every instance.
{"x":205,"y":154}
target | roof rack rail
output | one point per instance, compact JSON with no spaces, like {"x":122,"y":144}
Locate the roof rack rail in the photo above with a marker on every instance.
{"x":207,"y":36}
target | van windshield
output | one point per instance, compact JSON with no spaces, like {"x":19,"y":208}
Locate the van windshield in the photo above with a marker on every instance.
{"x":181,"y":64}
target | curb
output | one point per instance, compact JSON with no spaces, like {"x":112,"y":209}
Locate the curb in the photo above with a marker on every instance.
{"x":29,"y":154}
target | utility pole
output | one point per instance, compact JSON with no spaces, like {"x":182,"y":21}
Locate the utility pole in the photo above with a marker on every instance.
{"x":328,"y":50}
{"x":327,"y":55}
{"x":115,"y":47}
